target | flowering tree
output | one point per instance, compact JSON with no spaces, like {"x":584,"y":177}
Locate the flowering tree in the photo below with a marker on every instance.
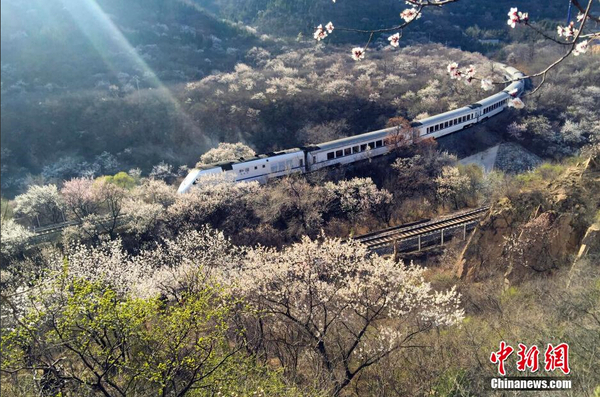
{"x":573,"y":36}
{"x":227,"y":152}
{"x":14,"y":237}
{"x":359,"y":197}
{"x":222,"y":204}
{"x":338,"y":303}
{"x":402,"y":134}
{"x":164,"y":172}
{"x":41,"y":204}
{"x":79,"y":197}
{"x":451,"y":185}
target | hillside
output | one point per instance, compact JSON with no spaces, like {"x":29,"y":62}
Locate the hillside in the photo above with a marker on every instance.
{"x":546,"y":226}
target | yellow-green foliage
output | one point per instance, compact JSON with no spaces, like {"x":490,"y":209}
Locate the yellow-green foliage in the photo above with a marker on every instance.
{"x":148,"y":346}
{"x":121,"y":179}
{"x":544,"y":173}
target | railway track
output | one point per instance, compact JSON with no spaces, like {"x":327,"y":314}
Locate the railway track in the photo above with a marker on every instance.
{"x":423,"y":232}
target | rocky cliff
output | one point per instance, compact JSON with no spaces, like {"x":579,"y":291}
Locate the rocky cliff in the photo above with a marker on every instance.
{"x":538,"y":230}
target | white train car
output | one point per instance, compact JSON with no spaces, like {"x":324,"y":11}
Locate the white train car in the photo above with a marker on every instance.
{"x":492,"y":105}
{"x":448,"y":122}
{"x":348,"y":150}
{"x":260,"y":168}
{"x":270,"y":165}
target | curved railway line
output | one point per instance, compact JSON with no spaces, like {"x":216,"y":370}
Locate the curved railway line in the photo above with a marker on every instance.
{"x":415,"y":236}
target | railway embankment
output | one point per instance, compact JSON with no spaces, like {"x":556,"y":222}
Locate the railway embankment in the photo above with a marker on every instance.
{"x":549,"y":223}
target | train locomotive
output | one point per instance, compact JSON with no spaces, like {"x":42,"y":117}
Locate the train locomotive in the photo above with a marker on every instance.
{"x":358,"y":147}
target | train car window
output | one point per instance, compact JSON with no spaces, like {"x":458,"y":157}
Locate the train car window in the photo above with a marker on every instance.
{"x":339,"y":153}
{"x":330,"y":156}
{"x":363,"y":148}
{"x":371,"y":145}
{"x":347,"y":151}
{"x":273,"y":167}
{"x":281,"y":165}
{"x":379,"y":143}
{"x":289,"y":164}
{"x":301,"y":163}
{"x":355,"y":149}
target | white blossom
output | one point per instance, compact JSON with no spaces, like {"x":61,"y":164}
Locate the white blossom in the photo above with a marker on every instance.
{"x":227,"y":152}
{"x":394,"y":40}
{"x":329,"y":27}
{"x":14,"y":237}
{"x":409,"y":14}
{"x":568,"y":31}
{"x":470,"y":72}
{"x":486,"y":84}
{"x":580,"y":48}
{"x":358,"y":53}
{"x":453,"y":70}
{"x":320,"y":33}
{"x":515,"y":17}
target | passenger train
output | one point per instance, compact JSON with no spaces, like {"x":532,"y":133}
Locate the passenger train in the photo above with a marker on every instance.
{"x":359,"y":147}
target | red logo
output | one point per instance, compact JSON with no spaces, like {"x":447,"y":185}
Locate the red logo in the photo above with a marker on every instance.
{"x":528,"y":358}
{"x":555,"y":357}
{"x":500,"y":356}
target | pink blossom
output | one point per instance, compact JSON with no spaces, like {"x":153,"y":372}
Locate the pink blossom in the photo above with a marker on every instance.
{"x":516,"y":103}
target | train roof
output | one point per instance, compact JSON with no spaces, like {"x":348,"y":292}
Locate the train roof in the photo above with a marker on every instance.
{"x":445,"y":116}
{"x":493,"y":98}
{"x":351,"y":140}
